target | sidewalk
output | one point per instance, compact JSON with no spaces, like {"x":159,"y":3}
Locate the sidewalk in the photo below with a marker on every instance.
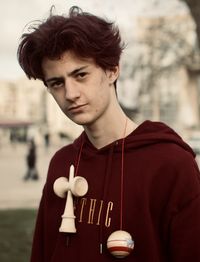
{"x":14,"y":191}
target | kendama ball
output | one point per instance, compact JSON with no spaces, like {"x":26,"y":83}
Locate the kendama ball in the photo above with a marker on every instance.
{"x":120,"y":244}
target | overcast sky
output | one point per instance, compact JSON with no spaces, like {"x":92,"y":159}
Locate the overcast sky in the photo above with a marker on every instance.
{"x":15,"y":14}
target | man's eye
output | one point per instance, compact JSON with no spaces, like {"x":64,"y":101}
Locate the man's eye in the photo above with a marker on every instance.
{"x":56,"y":84}
{"x":81,"y":75}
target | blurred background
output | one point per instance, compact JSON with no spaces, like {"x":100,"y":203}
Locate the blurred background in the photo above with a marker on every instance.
{"x":160,"y":81}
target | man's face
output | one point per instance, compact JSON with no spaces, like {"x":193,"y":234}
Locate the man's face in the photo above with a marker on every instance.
{"x":80,"y":87}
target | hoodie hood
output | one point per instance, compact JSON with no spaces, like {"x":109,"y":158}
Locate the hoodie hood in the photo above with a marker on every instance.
{"x":146,"y":134}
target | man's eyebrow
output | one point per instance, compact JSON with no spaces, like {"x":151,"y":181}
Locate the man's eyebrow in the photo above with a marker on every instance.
{"x":54,"y":79}
{"x":74,"y":72}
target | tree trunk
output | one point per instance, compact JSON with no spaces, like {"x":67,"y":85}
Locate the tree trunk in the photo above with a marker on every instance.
{"x":194,"y":6}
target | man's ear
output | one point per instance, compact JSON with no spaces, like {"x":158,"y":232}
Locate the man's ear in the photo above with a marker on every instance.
{"x":113,"y":74}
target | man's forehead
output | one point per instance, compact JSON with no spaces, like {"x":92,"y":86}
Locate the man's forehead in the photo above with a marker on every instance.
{"x":68,"y":64}
{"x":72,"y":55}
{"x":68,"y":59}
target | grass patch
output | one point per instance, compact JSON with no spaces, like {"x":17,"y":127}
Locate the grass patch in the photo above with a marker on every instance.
{"x":16,"y":232}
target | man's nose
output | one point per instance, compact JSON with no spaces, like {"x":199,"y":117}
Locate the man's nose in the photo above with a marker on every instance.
{"x":71,"y":91}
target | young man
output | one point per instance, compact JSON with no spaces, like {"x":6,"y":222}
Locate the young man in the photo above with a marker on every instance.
{"x":143,"y":181}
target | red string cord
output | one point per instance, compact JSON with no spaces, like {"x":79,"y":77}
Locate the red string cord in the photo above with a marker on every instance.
{"x":78,"y":160}
{"x":122,"y":179}
{"x":122,"y":174}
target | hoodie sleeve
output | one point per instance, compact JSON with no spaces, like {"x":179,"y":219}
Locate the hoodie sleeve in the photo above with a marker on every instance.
{"x":49,"y":213}
{"x":185,"y":239}
{"x":185,"y":224}
{"x":37,"y":253}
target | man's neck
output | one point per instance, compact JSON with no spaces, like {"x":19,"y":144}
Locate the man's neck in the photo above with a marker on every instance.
{"x":106,"y":132}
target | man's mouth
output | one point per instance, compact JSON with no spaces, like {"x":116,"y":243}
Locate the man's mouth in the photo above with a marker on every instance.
{"x":76,"y":108}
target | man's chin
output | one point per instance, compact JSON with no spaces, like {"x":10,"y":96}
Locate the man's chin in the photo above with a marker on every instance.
{"x":80,"y":121}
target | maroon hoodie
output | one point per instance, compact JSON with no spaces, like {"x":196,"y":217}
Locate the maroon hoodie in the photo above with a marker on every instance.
{"x":161,"y":200}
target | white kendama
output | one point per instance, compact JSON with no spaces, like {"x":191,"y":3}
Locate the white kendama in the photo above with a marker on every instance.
{"x":120,"y":244}
{"x":76,"y":186}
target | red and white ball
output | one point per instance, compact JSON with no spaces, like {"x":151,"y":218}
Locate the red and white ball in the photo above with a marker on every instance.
{"x":120,"y":244}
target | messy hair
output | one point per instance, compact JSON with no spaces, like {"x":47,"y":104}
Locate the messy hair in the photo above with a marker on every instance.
{"x":87,"y":35}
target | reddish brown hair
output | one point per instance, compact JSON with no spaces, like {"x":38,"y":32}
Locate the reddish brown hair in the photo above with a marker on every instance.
{"x":86,"y":35}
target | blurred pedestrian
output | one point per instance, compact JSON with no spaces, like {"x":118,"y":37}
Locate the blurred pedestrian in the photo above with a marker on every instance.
{"x":47,"y":140}
{"x":31,"y":162}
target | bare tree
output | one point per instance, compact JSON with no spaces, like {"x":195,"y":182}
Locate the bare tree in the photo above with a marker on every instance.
{"x":166,"y":44}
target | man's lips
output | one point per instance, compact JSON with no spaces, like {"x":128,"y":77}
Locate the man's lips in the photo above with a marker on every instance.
{"x":76,"y":108}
